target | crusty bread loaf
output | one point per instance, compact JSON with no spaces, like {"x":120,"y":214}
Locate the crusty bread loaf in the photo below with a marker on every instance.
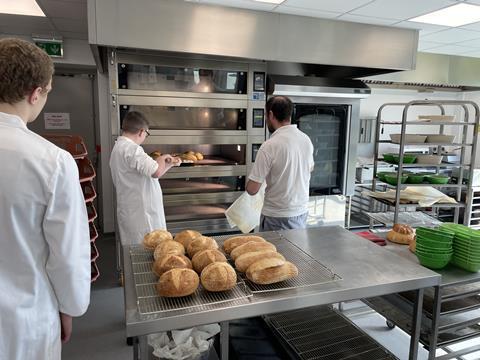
{"x":270,"y":271}
{"x":191,"y":157}
{"x":186,"y":236}
{"x":199,"y":156}
{"x":400,"y":238}
{"x":168,"y":247}
{"x":201,"y":243}
{"x":413,"y":245}
{"x":205,"y":257}
{"x":178,"y":282}
{"x":251,"y":246}
{"x":403,"y":229}
{"x":169,"y":262}
{"x":152,"y":239}
{"x":233,"y":242}
{"x":245,"y":260}
{"x":218,"y":276}
{"x":155,"y":154}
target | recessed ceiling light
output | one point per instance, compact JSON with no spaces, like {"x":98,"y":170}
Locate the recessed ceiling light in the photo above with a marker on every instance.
{"x":20,"y":7}
{"x":456,"y":15}
{"x":271,"y":1}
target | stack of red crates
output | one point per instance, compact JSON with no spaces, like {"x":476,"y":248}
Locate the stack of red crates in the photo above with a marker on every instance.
{"x":76,"y":146}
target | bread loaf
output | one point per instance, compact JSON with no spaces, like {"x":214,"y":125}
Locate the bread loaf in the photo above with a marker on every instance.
{"x":205,"y":257}
{"x":155,"y":154}
{"x":201,"y":243}
{"x":233,"y":242}
{"x":401,"y":234}
{"x":188,"y":156}
{"x":168,"y":247}
{"x":199,"y":156}
{"x":413,"y":246}
{"x":152,"y":239}
{"x":218,"y":276}
{"x":270,"y":271}
{"x":251,"y":246}
{"x":186,"y":236}
{"x":245,"y":260}
{"x":169,"y":262}
{"x":177,"y":283}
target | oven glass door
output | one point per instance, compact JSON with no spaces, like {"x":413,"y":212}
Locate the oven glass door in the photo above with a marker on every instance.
{"x":326,"y":125}
{"x":169,"y":78}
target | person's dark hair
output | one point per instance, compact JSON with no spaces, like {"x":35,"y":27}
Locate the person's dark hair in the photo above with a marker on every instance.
{"x":24,"y":67}
{"x":134,"y":121}
{"x":281,"y":107}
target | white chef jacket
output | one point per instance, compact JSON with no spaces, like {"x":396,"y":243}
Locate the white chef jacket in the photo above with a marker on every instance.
{"x":139,"y":196}
{"x":44,"y":243}
{"x":285,"y":162}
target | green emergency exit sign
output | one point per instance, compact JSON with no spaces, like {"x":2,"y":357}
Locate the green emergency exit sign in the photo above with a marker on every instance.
{"x":51,"y":47}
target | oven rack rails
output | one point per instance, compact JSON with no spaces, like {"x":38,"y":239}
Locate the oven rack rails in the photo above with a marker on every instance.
{"x":466,"y":147}
{"x":75,"y":145}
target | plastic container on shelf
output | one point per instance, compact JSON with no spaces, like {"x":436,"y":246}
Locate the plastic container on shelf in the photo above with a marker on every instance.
{"x":91,"y":212}
{"x":88,"y":191}
{"x":437,"y":179}
{"x":428,"y":159}
{"x":72,"y":143}
{"x":86,"y":171}
{"x":93,"y":232}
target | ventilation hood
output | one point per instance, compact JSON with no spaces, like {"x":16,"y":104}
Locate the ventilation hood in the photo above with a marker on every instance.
{"x":333,"y":48}
{"x":310,"y":86}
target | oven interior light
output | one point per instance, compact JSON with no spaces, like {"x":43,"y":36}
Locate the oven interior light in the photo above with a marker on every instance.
{"x":239,"y":148}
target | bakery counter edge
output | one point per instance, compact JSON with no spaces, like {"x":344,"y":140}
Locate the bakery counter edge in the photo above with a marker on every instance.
{"x":366,"y":270}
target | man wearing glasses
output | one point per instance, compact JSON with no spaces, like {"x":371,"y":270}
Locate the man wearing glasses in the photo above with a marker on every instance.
{"x":135,"y":176}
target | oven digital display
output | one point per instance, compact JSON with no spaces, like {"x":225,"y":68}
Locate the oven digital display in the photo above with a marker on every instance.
{"x":259,"y":81}
{"x":258,"y":118}
{"x":255,"y":148}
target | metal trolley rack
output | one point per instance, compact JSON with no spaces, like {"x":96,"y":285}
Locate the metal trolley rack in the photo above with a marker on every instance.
{"x":336,"y":248}
{"x":462,"y":165}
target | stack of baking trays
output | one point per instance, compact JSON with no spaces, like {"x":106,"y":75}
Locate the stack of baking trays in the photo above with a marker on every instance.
{"x":282,"y":265}
{"x":76,"y":147}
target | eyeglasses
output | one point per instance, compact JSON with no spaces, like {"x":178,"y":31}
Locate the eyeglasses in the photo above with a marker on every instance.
{"x":147,"y":132}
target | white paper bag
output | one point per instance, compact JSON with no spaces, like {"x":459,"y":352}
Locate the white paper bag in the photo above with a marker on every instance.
{"x":245,"y":211}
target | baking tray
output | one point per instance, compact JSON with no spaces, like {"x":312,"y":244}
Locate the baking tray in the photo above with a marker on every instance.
{"x":310,"y":271}
{"x":148,"y":300}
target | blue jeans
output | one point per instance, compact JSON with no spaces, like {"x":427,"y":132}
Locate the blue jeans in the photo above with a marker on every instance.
{"x":268,"y":223}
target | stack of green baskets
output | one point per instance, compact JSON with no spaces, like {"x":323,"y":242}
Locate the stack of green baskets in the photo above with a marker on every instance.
{"x":466,"y":247}
{"x":434,"y":247}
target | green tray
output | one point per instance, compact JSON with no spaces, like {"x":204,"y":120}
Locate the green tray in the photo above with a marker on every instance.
{"x":392,"y":179}
{"x":415,"y":178}
{"x":437,"y":179}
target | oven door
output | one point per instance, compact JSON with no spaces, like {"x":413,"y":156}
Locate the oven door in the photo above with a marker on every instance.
{"x":327,"y":125}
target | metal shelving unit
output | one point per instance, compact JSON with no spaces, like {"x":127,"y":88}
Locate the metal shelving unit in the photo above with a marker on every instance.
{"x":462,"y":143}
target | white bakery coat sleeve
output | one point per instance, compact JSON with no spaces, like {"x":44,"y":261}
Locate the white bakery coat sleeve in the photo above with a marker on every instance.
{"x":261,"y":167}
{"x":66,"y":230}
{"x":139,"y":160}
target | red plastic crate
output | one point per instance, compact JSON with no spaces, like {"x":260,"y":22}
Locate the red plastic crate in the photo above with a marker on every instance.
{"x":95,"y":273}
{"x":92,"y":213}
{"x":72,"y":143}
{"x":86,"y":172}
{"x":93,"y":232}
{"x":88,"y":191}
{"x":94,"y":252}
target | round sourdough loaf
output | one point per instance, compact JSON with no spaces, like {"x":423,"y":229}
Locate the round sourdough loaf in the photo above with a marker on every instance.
{"x":177,"y":283}
{"x":218,"y":276}
{"x":205,"y":257}
{"x":169,"y":262}
{"x":168,"y":247}
{"x":185,"y":237}
{"x":152,"y":239}
{"x":201,"y":243}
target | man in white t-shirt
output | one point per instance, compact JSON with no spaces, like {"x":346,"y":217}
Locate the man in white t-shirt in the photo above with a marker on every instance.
{"x":284,"y":162}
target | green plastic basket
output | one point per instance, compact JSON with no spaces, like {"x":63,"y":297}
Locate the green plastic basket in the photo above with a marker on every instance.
{"x":433,"y":256}
{"x":465,"y":265}
{"x":433,"y":251}
{"x":435,"y":234}
{"x":433,"y":244}
{"x":433,"y":263}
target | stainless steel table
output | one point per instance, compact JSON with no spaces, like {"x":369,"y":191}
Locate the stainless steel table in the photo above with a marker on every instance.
{"x":366,"y":269}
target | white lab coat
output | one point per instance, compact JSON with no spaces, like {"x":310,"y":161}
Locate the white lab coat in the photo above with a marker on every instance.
{"x":139,"y":196}
{"x":44,"y":243}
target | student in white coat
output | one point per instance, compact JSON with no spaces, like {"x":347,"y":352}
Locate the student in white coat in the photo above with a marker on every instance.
{"x":44,"y":239}
{"x":135,"y":176}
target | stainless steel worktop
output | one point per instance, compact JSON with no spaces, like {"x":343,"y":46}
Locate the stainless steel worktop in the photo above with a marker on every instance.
{"x":366,"y":270}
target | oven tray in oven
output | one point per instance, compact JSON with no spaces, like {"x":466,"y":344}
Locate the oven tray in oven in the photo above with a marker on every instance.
{"x":310,"y":271}
{"x":148,"y":300}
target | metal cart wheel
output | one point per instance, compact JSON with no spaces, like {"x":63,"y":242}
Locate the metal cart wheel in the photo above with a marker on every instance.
{"x":390,"y":324}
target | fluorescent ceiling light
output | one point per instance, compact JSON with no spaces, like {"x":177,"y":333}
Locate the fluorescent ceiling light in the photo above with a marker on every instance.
{"x":271,"y":1}
{"x":20,"y":7}
{"x":456,"y":15}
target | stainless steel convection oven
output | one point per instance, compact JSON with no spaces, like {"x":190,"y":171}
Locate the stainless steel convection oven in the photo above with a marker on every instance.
{"x":200,"y":105}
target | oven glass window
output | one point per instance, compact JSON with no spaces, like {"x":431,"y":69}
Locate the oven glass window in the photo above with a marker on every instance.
{"x":166,"y":78}
{"x":326,"y":127}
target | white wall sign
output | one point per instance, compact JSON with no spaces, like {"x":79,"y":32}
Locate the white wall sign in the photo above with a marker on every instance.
{"x":57,"y":121}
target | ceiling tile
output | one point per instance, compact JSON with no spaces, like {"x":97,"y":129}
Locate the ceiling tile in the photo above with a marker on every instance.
{"x":451,"y":36}
{"x":64,"y":9}
{"x":449,"y":50}
{"x":341,"y":6}
{"x":245,"y":4}
{"x":72,"y":25}
{"x":475,"y":2}
{"x":425,"y":29}
{"x":424,"y":45}
{"x":475,"y":43}
{"x":475,"y":53}
{"x":306,"y":12}
{"x":474,"y":26}
{"x":366,"y":19}
{"x":401,"y":10}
